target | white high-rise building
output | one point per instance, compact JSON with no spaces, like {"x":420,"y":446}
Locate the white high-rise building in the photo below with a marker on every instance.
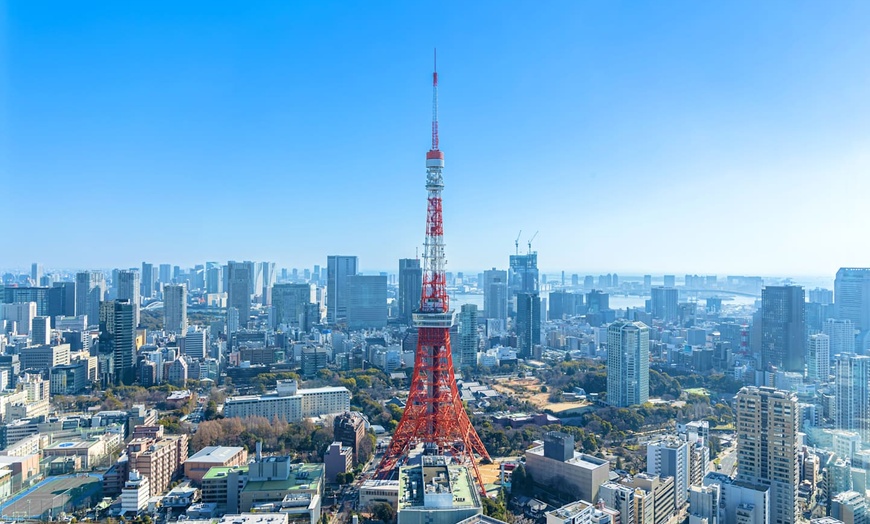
{"x":22,"y":313}
{"x":627,"y":363}
{"x":842,"y":335}
{"x":852,"y":297}
{"x":175,"y":308}
{"x":852,"y":398}
{"x":818,"y":358}
{"x":669,"y":457}
{"x":90,"y":291}
{"x":767,"y":427}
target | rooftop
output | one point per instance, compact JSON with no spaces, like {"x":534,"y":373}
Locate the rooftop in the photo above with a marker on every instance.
{"x":255,"y":518}
{"x":436,"y":484}
{"x":222,"y":471}
{"x":569,"y":511}
{"x":216,"y":454}
{"x":303,"y":477}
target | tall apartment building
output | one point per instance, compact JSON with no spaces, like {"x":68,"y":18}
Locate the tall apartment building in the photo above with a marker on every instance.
{"x":852,"y":296}
{"x":664,"y":303}
{"x":783,"y":328}
{"x":175,"y":308}
{"x":842,"y":335}
{"x":117,"y":342}
{"x":495,"y":294}
{"x":129,"y":288}
{"x":767,"y":427}
{"x":160,"y":458}
{"x":627,"y":363}
{"x":669,"y":457}
{"x":468,"y":340}
{"x":350,"y":429}
{"x":852,"y":397}
{"x":338,"y":270}
{"x":819,"y":358}
{"x":410,"y":287}
{"x":90,"y":291}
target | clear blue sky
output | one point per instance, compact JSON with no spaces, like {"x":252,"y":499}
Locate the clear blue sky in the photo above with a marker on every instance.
{"x":704,"y":137}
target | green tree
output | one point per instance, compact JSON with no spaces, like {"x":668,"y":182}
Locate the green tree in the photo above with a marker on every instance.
{"x":384,"y":512}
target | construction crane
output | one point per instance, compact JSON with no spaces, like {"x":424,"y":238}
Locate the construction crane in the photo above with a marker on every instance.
{"x":517,"y":242}
{"x":530,"y":241}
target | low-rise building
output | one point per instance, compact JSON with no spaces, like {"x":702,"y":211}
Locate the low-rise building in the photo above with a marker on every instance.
{"x":565,"y":473}
{"x":373,"y":491}
{"x":436,"y":492}
{"x":290,"y":403}
{"x":579,"y":512}
{"x":209,"y":457}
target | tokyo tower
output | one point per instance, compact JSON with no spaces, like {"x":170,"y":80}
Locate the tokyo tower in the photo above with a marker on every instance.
{"x":434,"y":414}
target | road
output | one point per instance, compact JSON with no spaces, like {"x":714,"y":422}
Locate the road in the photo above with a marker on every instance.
{"x":727,"y":461}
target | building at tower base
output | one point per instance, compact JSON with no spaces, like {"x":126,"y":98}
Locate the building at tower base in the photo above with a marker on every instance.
{"x":436,"y":492}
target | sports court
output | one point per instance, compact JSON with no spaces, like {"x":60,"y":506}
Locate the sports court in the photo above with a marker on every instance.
{"x":56,"y":493}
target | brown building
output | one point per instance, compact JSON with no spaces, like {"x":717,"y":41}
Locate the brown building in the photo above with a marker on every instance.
{"x":198,"y":465}
{"x":350,"y":430}
{"x":160,"y":458}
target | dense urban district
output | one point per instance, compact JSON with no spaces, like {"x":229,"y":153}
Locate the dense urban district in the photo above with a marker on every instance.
{"x":242,"y":392}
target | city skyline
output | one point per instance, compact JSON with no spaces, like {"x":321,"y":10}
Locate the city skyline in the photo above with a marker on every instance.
{"x":190,"y":132}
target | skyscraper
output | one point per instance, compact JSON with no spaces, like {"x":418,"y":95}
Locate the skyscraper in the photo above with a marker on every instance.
{"x":292,"y":303}
{"x":767,"y":427}
{"x":468,"y":338}
{"x":90,"y":291}
{"x":852,"y":296}
{"x":117,"y":348}
{"x":165,"y":273}
{"x":147,"y":279}
{"x":410,"y":287}
{"x":366,"y":301}
{"x":528,"y":323}
{"x":664,"y":304}
{"x":627,"y":363}
{"x":213,"y":278}
{"x":842,"y":335}
{"x":338,"y":269}
{"x":239,"y":290}
{"x":62,"y":300}
{"x":852,"y":397}
{"x":522,"y":276}
{"x":495,"y":294}
{"x":175,"y":308}
{"x":818,"y":358}
{"x":36,"y":273}
{"x":129,"y":289}
{"x":783,"y":328}
{"x":267,"y":269}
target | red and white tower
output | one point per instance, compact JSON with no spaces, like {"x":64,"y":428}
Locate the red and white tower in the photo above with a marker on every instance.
{"x":434,"y":415}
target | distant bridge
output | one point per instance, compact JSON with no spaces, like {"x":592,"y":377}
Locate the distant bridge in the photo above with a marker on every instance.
{"x":714,"y":292}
